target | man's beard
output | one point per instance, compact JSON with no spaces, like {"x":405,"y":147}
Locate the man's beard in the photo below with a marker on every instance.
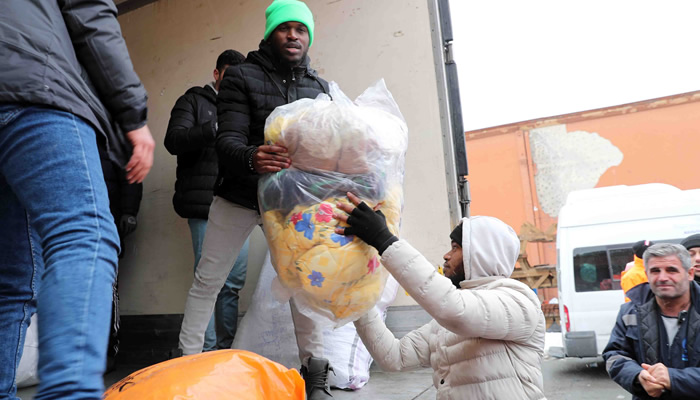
{"x":300,"y":62}
{"x":292,"y":64}
{"x":456,"y":279}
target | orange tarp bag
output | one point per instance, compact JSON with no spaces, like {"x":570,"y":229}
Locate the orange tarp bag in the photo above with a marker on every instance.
{"x":223,"y":374}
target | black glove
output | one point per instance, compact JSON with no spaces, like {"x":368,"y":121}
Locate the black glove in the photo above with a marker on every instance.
{"x":127,"y":224}
{"x":370,"y":226}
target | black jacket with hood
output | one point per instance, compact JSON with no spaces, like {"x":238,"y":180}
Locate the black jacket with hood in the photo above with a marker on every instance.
{"x":248,"y":93}
{"x":191,"y":136}
{"x":70,"y":55}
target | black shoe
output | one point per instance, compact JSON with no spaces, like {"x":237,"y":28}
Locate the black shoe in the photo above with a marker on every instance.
{"x":316,"y":379}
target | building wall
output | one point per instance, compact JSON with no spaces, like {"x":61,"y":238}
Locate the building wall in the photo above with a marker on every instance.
{"x":174,"y":45}
{"x":660,"y":145}
{"x":522,"y":172}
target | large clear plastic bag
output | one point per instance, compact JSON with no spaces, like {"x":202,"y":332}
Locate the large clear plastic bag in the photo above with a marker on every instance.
{"x":336,"y":146}
{"x":267,"y":330}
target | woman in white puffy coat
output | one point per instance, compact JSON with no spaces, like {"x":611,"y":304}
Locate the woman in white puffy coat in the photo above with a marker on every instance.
{"x":487,"y":338}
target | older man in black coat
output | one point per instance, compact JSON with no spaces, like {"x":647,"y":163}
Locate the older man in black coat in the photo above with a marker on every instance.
{"x":654,"y":348}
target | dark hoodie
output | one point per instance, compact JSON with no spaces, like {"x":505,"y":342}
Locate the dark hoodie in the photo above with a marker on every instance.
{"x":191,"y":136}
{"x":248,"y":93}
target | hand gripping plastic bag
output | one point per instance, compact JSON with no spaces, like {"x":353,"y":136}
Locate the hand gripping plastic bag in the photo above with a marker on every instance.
{"x":213,"y":375}
{"x":336,"y":146}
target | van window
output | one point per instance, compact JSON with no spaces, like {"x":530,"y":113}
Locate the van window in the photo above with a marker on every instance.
{"x":600,"y":267}
{"x":618,"y":261}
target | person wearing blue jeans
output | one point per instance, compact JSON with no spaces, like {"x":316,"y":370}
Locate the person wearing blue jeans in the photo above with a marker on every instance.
{"x":67,"y":85}
{"x":58,"y":250}
{"x":224,"y":322}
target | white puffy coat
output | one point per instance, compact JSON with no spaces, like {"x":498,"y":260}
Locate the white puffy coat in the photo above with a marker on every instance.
{"x":487,"y":339}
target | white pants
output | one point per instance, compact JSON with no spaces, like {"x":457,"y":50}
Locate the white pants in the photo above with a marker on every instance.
{"x":228,"y":227}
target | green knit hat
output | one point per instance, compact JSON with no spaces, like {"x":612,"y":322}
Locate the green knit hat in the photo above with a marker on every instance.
{"x":281,"y":11}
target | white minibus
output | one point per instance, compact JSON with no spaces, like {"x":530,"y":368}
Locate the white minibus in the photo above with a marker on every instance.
{"x":596,"y":231}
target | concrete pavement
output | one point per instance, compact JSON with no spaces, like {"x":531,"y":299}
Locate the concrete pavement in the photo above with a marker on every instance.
{"x":564,"y":379}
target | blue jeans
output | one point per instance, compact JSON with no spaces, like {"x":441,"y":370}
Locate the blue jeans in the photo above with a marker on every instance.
{"x":224,"y":322}
{"x":58,"y":251}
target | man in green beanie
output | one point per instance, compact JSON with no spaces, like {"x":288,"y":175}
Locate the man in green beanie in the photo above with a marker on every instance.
{"x":277,"y":73}
{"x":282,"y":11}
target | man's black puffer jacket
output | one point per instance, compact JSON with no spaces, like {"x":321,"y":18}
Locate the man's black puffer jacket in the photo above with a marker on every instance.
{"x":191,"y":136}
{"x":248,"y":94}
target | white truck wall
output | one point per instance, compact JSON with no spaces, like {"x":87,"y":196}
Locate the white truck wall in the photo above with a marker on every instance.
{"x":174,"y":45}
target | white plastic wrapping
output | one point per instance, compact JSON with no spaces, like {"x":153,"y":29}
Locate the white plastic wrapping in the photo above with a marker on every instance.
{"x":267,"y":329}
{"x":336,"y":146}
{"x":27,"y":372}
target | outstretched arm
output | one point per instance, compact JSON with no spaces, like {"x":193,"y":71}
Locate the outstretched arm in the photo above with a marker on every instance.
{"x":502,"y":313}
{"x":392,"y":354}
